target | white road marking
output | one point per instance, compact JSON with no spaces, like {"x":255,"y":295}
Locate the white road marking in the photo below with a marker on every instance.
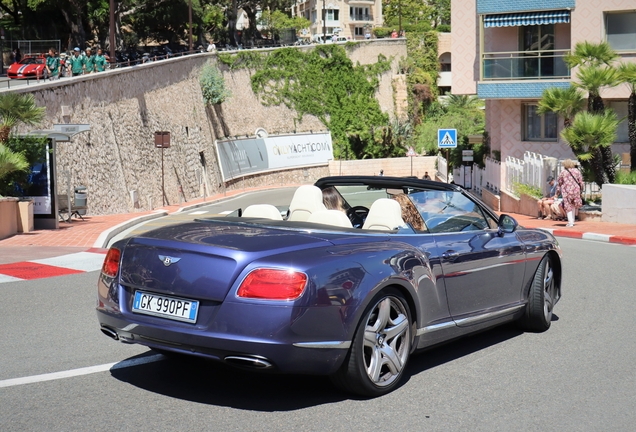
{"x":79,"y":372}
{"x":200,"y":212}
{"x":7,"y":278}
{"x":82,"y":261}
{"x":226,"y":212}
{"x":595,"y":236}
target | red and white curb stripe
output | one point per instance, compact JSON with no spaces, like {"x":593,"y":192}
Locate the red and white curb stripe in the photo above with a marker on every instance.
{"x":79,"y":262}
{"x":607,"y":238}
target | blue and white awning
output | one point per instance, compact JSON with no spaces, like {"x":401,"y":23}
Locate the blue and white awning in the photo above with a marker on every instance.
{"x":527,"y":19}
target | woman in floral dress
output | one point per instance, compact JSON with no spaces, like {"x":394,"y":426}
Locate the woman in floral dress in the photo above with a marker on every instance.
{"x":570,"y":186}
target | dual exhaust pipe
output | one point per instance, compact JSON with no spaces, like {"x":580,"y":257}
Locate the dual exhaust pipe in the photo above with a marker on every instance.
{"x":249,"y":362}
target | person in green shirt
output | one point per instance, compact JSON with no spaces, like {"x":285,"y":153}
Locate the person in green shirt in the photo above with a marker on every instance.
{"x":53,"y":65}
{"x":89,"y":61}
{"x":100,"y":61}
{"x":75,"y":63}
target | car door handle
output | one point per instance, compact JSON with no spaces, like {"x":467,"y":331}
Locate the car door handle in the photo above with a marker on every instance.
{"x":450,"y":255}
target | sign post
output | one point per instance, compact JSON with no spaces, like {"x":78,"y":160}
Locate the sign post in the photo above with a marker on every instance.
{"x":411,"y":153}
{"x":162,"y":141}
{"x":447,"y":139}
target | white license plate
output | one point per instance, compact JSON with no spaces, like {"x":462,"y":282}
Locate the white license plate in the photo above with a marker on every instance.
{"x":173,"y":308}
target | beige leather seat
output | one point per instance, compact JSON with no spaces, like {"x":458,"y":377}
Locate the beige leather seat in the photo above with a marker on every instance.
{"x":264,"y":211}
{"x":307,"y":200}
{"x":385,"y":214}
{"x":330,"y":217}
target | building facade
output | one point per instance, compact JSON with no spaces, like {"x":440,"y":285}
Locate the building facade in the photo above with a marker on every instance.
{"x":509,"y":52}
{"x":352,"y":19}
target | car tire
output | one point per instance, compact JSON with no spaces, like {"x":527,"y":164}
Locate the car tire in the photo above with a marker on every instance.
{"x":538,"y":315}
{"x":380,"y":349}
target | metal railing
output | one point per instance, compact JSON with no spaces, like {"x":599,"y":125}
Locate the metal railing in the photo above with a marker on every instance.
{"x":525,"y":65}
{"x":360,"y":17}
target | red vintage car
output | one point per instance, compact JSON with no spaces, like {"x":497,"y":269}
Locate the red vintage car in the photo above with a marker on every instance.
{"x":28,"y":67}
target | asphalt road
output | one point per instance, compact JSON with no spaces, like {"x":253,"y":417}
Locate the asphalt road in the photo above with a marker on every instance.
{"x":577,"y":376}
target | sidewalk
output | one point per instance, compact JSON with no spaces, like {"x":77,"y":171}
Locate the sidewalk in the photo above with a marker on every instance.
{"x":79,"y":246}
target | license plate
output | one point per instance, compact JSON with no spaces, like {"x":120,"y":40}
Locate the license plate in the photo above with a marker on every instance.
{"x":173,"y":308}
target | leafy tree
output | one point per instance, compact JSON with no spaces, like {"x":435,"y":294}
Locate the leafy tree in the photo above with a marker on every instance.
{"x":29,"y":151}
{"x":563,"y":102}
{"x":409,"y":11}
{"x":588,"y":134}
{"x":275,"y":21}
{"x":627,"y":73}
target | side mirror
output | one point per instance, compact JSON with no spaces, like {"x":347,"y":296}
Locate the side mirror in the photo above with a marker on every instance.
{"x":507,"y":224}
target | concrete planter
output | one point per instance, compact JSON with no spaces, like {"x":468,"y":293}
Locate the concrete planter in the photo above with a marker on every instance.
{"x":619,"y":203}
{"x":8,"y":217}
{"x":525,"y":204}
{"x":25,"y":216}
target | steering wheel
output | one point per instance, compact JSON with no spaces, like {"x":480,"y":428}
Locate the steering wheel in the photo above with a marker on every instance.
{"x":357,"y":215}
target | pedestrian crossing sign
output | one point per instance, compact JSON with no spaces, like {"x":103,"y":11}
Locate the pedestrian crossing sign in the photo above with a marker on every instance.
{"x":447,"y":138}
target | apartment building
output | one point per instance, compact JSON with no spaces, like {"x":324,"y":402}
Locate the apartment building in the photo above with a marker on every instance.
{"x":352,"y":19}
{"x":508,"y":52}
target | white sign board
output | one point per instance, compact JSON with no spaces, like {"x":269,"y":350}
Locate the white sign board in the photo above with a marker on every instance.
{"x":447,"y":138}
{"x":467,"y":155}
{"x":241,"y":157}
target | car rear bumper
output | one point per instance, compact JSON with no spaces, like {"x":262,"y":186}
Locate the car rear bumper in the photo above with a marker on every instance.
{"x":316,"y":357}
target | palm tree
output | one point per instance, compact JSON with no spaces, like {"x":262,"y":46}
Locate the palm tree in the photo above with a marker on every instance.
{"x":590,"y":54}
{"x":18,"y":108}
{"x":627,"y":73}
{"x":11,"y":161}
{"x":587,"y":136}
{"x":592,"y":79}
{"x":464,"y":103}
{"x":564,"y":102}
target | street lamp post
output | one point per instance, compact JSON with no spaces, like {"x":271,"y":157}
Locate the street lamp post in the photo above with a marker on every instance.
{"x":190,"y":21}
{"x":111,"y":38}
{"x":324,"y":23}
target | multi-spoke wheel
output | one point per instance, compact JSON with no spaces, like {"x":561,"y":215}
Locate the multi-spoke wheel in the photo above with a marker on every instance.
{"x":380,"y":348}
{"x":541,"y":298}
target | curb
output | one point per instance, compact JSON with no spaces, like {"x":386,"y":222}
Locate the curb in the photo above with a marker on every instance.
{"x":105,"y":236}
{"x":606,"y":238}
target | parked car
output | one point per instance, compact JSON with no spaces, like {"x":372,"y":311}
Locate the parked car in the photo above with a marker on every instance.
{"x":349,"y":294}
{"x":28,"y":67}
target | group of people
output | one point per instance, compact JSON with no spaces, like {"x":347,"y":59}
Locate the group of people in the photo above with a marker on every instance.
{"x":564,"y":198}
{"x":86,"y":63}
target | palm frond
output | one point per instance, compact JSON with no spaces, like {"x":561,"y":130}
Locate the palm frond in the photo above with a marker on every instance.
{"x":563,"y":102}
{"x":11,"y":161}
{"x":20,"y":107}
{"x":593,"y":78}
{"x":591,"y":54}
{"x":627,"y":74}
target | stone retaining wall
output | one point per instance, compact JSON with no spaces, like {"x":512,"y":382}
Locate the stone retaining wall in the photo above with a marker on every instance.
{"x":126,"y":106}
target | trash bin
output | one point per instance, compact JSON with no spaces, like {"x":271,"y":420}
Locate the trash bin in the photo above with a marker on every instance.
{"x":80,"y":198}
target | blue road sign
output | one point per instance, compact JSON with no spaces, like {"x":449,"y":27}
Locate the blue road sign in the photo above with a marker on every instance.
{"x":446,"y":138}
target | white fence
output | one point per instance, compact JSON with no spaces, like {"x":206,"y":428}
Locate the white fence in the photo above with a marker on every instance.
{"x":533,"y":170}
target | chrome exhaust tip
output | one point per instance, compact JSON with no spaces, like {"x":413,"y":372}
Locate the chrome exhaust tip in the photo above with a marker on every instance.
{"x":110,"y":333}
{"x":249,"y":362}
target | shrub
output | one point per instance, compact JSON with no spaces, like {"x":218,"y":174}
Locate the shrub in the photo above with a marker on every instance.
{"x":443,"y":28}
{"x":382,"y":32}
{"x":213,"y":85}
{"x":627,"y":178}
{"x":524,"y":189}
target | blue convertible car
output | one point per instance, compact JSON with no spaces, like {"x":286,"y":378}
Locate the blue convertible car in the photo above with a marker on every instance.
{"x":350,"y":290}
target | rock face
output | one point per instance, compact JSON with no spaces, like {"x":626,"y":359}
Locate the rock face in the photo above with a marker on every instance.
{"x":117,"y":159}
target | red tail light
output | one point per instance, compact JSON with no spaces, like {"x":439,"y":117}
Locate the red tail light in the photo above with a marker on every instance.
{"x":273,"y":284}
{"x":111,"y":263}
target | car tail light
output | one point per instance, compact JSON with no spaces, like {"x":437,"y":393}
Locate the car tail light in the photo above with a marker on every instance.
{"x":273,"y":284}
{"x":111,"y":263}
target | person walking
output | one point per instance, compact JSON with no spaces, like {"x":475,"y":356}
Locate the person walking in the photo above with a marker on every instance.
{"x":100,"y":61}
{"x":570,"y":186}
{"x":89,"y":61}
{"x":75,"y":63}
{"x":53,"y":65}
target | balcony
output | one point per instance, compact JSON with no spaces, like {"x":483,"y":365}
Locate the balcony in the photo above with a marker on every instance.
{"x":524,"y":65}
{"x":360,"y":17}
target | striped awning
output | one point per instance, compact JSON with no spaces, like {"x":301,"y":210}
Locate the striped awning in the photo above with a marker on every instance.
{"x":527,"y":19}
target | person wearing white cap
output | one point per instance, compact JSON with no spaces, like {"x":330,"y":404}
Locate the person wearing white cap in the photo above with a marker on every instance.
{"x":75,"y":63}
